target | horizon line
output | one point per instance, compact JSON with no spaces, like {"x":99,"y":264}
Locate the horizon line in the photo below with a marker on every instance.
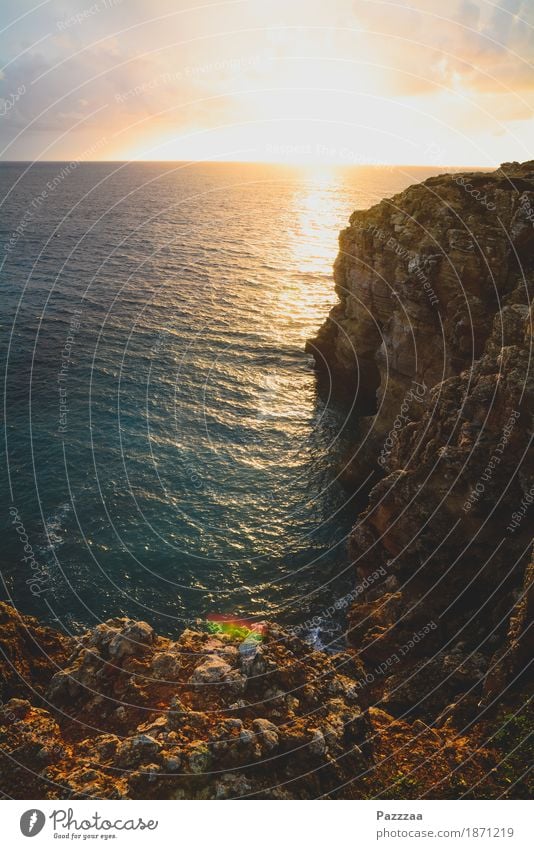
{"x":292,"y":164}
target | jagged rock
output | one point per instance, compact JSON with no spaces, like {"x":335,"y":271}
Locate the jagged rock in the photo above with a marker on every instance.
{"x":511,"y":663}
{"x":215,"y":671}
{"x":172,"y":762}
{"x":167,"y":666}
{"x":106,"y":746}
{"x":131,"y":640}
{"x":153,"y":737}
{"x":434,"y":322}
{"x":199,"y":758}
{"x":136,"y":750}
{"x":267,"y":734}
{"x":26,"y":652}
{"x":317,"y":744}
{"x":231,"y":786}
{"x":211,"y":671}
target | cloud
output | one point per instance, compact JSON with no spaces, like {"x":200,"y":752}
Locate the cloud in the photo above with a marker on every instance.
{"x":462,"y":45}
{"x":465,"y":64}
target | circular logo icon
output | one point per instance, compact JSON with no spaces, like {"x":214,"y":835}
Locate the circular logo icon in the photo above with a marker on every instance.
{"x":32,"y":822}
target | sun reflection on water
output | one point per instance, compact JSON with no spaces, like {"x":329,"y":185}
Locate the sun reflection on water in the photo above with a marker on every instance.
{"x":319,"y":211}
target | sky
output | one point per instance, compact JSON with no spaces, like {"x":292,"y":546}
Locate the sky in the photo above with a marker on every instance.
{"x":423,"y":82}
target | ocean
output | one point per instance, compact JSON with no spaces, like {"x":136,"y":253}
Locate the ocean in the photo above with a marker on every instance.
{"x":166,"y":453}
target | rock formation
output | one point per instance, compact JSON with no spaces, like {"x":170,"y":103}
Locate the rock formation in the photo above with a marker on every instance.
{"x":120,"y":713}
{"x":434,"y":329}
{"x":123,"y":713}
{"x":421,"y":276}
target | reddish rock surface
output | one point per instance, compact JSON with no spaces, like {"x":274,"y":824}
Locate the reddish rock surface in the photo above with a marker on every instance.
{"x":127,"y":714}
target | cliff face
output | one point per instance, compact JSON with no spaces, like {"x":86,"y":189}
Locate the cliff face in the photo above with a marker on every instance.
{"x":420,"y":277}
{"x":434,"y":327}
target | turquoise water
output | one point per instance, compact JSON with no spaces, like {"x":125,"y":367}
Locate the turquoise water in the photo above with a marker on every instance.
{"x":165,"y":445}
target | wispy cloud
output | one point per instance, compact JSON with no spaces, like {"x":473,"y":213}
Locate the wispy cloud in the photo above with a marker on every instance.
{"x":395,"y":75}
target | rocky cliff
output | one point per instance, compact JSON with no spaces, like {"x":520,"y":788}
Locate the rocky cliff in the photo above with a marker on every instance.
{"x":432,"y":696}
{"x":433,"y":332}
{"x":420,"y":278}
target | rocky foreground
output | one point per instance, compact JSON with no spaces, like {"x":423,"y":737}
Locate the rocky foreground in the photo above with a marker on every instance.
{"x":120,"y":713}
{"x":123,"y":713}
{"x":432,"y":697}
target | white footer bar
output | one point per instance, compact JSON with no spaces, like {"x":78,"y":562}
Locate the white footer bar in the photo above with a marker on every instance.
{"x":264,"y":825}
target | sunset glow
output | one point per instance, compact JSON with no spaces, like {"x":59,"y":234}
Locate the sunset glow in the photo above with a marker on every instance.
{"x":344,"y":83}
